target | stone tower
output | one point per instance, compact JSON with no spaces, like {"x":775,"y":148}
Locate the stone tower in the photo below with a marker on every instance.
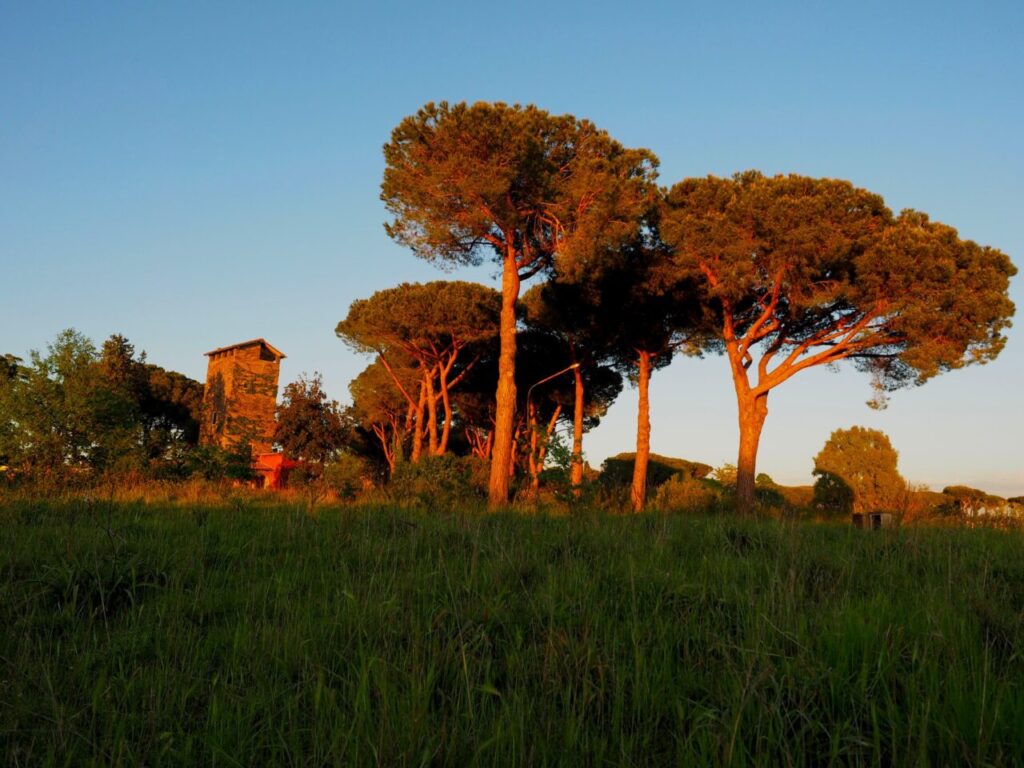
{"x":240,"y":395}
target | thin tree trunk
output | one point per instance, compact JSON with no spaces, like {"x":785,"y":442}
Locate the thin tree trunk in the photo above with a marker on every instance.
{"x":446,"y":430}
{"x":387,"y":446}
{"x":576,"y":474}
{"x":505,"y":397}
{"x":428,"y":383}
{"x":752,"y":412}
{"x":542,"y":449}
{"x":417,"y":432}
{"x":638,"y":493}
{"x":534,"y":439}
{"x":515,"y":450}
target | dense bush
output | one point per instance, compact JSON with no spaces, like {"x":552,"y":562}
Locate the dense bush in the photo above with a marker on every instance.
{"x":683,"y":493}
{"x":347,"y":475}
{"x":438,"y":482}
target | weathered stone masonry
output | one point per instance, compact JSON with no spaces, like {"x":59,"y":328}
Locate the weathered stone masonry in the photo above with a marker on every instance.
{"x":240,"y":395}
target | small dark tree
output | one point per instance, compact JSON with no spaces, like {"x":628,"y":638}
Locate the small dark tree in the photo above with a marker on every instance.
{"x":520,"y":184}
{"x":806,"y":272}
{"x":310,"y":427}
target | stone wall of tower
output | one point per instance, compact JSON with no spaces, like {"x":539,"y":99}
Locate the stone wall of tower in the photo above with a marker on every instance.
{"x":240,"y":397}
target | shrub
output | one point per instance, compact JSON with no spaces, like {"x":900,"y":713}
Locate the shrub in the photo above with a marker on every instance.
{"x":726,"y":475}
{"x":686,"y":494}
{"x":347,"y":475}
{"x":440,"y":481}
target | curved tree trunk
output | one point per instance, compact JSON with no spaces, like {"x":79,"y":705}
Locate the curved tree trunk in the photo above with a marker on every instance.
{"x":505,"y":398}
{"x":752,"y":411}
{"x":638,"y":492}
{"x":577,"y":436}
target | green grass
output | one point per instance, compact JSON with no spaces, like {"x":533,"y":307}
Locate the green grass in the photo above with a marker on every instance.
{"x":161,"y":635}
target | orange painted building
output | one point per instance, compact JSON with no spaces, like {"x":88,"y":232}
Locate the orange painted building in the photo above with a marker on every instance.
{"x":273,"y":469}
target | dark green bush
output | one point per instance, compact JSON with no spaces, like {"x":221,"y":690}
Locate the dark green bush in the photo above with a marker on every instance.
{"x":437,"y":482}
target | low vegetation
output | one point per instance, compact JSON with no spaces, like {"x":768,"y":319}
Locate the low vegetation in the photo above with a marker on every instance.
{"x":255,"y":634}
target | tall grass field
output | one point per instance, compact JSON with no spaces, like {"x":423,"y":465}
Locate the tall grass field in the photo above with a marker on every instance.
{"x":246,"y":635}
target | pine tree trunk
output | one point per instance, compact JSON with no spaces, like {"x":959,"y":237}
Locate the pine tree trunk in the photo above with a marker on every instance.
{"x":505,"y":398}
{"x":428,"y":382}
{"x":447,"y":400}
{"x":387,"y":446}
{"x":752,"y":411}
{"x":417,"y":432}
{"x":638,"y":493}
{"x":534,"y":462}
{"x":576,"y":474}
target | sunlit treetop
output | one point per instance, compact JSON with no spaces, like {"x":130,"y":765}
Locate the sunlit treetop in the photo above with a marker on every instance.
{"x":816,"y":271}
{"x":426,"y":321}
{"x":465,"y":181}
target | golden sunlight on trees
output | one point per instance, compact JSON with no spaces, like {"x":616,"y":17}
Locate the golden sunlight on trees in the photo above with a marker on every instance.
{"x":799,"y":272}
{"x":380,"y":408}
{"x":857,"y":472}
{"x":310,"y":427}
{"x":443,"y":327}
{"x":519,"y":185}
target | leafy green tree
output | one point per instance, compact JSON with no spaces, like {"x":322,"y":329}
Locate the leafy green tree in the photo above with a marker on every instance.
{"x":171,"y":406}
{"x":443,"y":326}
{"x":799,"y":272}
{"x":857,"y":472}
{"x":11,"y":373}
{"x":156,"y":411}
{"x":310,"y":427}
{"x":76,"y":408}
{"x":50,"y":414}
{"x":526,"y":187}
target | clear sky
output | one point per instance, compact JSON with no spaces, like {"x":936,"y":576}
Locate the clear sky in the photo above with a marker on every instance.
{"x":191,"y":175}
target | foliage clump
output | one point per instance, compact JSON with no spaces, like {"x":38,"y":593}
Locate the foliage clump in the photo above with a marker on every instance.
{"x":618,"y":470}
{"x":440,"y":483}
{"x":797,"y":272}
{"x":857,"y":472}
{"x":686,"y":493}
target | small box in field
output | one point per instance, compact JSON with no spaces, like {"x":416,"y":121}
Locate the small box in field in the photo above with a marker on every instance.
{"x":872,"y":520}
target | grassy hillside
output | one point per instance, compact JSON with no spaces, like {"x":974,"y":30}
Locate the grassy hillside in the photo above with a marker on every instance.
{"x":180,"y":636}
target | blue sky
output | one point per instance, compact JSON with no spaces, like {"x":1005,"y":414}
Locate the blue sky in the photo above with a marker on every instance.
{"x":195,"y":175}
